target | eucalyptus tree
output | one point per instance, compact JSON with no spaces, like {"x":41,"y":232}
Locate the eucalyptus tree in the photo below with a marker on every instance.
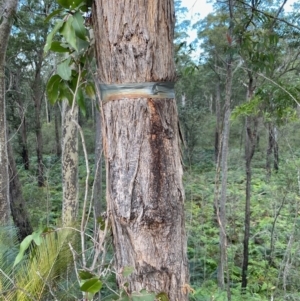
{"x":144,"y":189}
{"x":7,"y":14}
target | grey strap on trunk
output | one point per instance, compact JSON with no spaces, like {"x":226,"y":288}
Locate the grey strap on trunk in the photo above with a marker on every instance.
{"x":137,"y":90}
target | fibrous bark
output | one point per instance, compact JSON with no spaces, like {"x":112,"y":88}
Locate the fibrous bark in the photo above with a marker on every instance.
{"x":7,"y":9}
{"x":144,"y":174}
{"x":69,"y":164}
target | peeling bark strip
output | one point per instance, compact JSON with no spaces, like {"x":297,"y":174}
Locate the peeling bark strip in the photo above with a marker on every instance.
{"x":144,"y":174}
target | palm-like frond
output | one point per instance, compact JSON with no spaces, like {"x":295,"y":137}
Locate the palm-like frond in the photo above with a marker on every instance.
{"x":37,"y":278}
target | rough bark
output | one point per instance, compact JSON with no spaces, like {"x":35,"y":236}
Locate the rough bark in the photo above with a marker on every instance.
{"x":144,"y":174}
{"x":7,"y":9}
{"x":17,"y":202}
{"x":69,"y":164}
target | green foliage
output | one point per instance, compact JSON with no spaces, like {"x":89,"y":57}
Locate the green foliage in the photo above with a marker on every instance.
{"x":70,"y":82}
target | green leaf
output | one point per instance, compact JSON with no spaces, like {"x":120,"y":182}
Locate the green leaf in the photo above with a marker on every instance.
{"x":52,"y":88}
{"x":37,"y":238}
{"x":57,"y":47}
{"x":81,"y":102}
{"x":65,"y":92}
{"x":85,"y":275}
{"x":162,"y":297}
{"x":90,"y":91}
{"x":50,"y":36}
{"x":92,"y":285}
{"x":78,"y":24}
{"x":54,"y":13}
{"x":68,"y":32}
{"x":143,"y":296}
{"x":127,"y":271}
{"x":82,"y":45}
{"x":23,"y":247}
{"x":64,"y":69}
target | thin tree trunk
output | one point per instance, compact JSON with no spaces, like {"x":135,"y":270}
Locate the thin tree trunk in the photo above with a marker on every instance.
{"x":37,"y":98}
{"x":57,"y":117}
{"x":17,"y":202}
{"x":276,"y":150}
{"x":144,"y":174}
{"x":269,"y":150}
{"x":8,"y":8}
{"x":250,"y":144}
{"x":98,"y":166}
{"x":218,"y":121}
{"x":69,"y":164}
{"x":221,"y":210}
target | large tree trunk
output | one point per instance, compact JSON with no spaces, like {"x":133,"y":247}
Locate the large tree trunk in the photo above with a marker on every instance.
{"x":144,"y":174}
{"x":69,"y":164}
{"x":17,"y":202}
{"x":7,"y":8}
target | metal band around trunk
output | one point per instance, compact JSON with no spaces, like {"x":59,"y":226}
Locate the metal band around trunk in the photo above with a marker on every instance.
{"x":137,"y":90}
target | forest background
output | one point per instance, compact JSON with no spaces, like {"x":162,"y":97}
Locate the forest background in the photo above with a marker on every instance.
{"x":238,"y":105}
